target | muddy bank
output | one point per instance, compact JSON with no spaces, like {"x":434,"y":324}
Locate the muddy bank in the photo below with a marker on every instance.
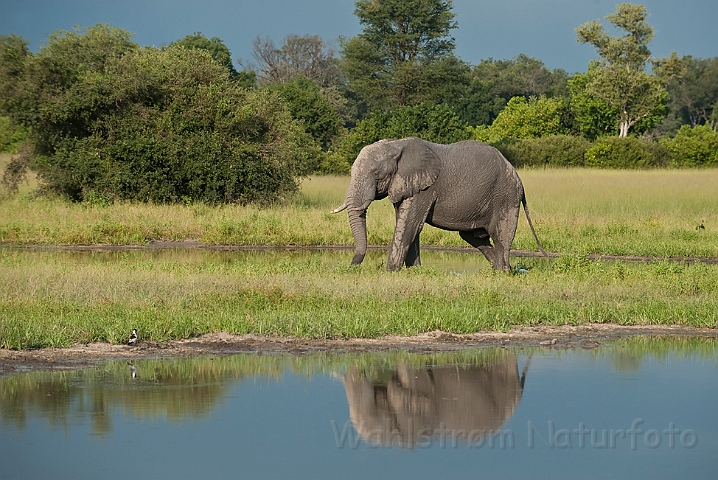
{"x":584,"y":336}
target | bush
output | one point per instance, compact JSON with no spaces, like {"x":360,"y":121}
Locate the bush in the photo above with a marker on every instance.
{"x":537,"y":117}
{"x":202,"y":139}
{"x":307,"y":104}
{"x":156,"y":125}
{"x":693,"y":147}
{"x":11,"y":136}
{"x":626,"y":152}
{"x":434,"y":123}
{"x":553,"y":151}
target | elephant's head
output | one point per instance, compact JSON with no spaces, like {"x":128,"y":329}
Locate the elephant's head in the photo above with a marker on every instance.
{"x":396,"y":169}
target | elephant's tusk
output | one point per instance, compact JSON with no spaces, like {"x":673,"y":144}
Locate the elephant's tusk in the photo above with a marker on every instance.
{"x":340,"y":209}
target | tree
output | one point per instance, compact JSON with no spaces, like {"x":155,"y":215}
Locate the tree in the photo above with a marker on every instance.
{"x":39,"y":98}
{"x":435,"y":123}
{"x":308,"y":56}
{"x":307,"y":104}
{"x":215,"y":46}
{"x":537,"y":117}
{"x":694,"y":147}
{"x":305,"y":71}
{"x":620,"y":79}
{"x":694,"y":96}
{"x":404,"y":55}
{"x":592,"y":117}
{"x":13,"y":56}
{"x":495,"y":82}
{"x":112,"y":120}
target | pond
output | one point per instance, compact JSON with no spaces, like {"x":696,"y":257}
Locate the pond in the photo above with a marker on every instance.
{"x":637,"y":408}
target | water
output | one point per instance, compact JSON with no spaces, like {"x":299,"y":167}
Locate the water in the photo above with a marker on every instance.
{"x":638,"y":408}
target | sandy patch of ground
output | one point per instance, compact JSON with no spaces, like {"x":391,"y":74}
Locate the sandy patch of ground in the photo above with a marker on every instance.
{"x":584,"y":336}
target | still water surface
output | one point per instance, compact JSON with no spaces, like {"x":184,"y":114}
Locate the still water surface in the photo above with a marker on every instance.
{"x":639,"y":408}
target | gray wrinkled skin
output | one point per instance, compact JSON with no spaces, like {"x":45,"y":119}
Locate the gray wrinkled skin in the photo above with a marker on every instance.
{"x":467,"y":187}
{"x":408,"y":405}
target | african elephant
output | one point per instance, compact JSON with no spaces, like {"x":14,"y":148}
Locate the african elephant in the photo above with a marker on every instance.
{"x":467,"y":187}
{"x":406,"y":405}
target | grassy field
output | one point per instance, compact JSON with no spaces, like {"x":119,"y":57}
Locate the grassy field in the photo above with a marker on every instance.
{"x":52,"y":298}
{"x":576,"y":211}
{"x":61,"y":298}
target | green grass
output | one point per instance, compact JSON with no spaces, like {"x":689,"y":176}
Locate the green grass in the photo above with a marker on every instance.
{"x":576,"y":211}
{"x":59,"y":298}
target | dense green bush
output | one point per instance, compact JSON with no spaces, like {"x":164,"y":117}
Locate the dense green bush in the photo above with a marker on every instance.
{"x":112,"y":120}
{"x":11,"y":136}
{"x":626,"y":152}
{"x":434,"y":123}
{"x":552,"y":151}
{"x":307,"y":104}
{"x":537,"y":117}
{"x":569,"y":151}
{"x":694,"y":147}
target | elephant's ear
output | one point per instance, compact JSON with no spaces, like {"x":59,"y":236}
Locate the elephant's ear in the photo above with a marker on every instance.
{"x":417,"y":169}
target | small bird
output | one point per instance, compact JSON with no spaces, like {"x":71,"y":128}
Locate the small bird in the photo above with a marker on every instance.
{"x":702,"y":226}
{"x":133,"y":337}
{"x":133,"y":371}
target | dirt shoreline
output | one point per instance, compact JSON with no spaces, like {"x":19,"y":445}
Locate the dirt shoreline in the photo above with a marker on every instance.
{"x":564,"y":337}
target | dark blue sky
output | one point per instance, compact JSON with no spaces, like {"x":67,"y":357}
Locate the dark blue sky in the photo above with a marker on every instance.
{"x":500,"y":29}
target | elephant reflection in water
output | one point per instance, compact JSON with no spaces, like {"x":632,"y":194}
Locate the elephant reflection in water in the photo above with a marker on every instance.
{"x":459,"y":402}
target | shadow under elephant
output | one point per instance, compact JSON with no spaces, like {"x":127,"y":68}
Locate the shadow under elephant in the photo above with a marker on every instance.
{"x":408,"y":406}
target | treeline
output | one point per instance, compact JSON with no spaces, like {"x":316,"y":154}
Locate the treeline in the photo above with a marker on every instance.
{"x":99,"y":117}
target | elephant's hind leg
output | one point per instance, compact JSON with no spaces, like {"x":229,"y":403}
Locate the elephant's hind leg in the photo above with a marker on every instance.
{"x":479,"y":239}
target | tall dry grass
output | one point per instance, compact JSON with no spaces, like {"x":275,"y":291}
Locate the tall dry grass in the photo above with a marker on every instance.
{"x":653,"y":212}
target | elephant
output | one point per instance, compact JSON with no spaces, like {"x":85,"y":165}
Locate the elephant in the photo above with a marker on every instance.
{"x":467,"y":187}
{"x":405,"y":405}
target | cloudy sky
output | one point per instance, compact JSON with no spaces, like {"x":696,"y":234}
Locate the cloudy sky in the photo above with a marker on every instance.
{"x":500,"y":29}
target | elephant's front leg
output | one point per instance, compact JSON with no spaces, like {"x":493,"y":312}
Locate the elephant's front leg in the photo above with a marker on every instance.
{"x":410,"y":216}
{"x":413,"y":257}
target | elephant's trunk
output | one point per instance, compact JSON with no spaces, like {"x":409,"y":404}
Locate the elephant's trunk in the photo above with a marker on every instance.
{"x":357,"y":222}
{"x":361,"y":192}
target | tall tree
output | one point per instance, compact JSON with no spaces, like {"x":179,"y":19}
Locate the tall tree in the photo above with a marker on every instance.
{"x":215,"y":46}
{"x":694,"y":97}
{"x":307,"y":104}
{"x":306,"y":56}
{"x":404,"y":55}
{"x":621,"y":80}
{"x":495,"y":82}
{"x":13,"y":54}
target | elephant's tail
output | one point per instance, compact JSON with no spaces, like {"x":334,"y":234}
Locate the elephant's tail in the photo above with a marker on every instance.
{"x":528,"y":217}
